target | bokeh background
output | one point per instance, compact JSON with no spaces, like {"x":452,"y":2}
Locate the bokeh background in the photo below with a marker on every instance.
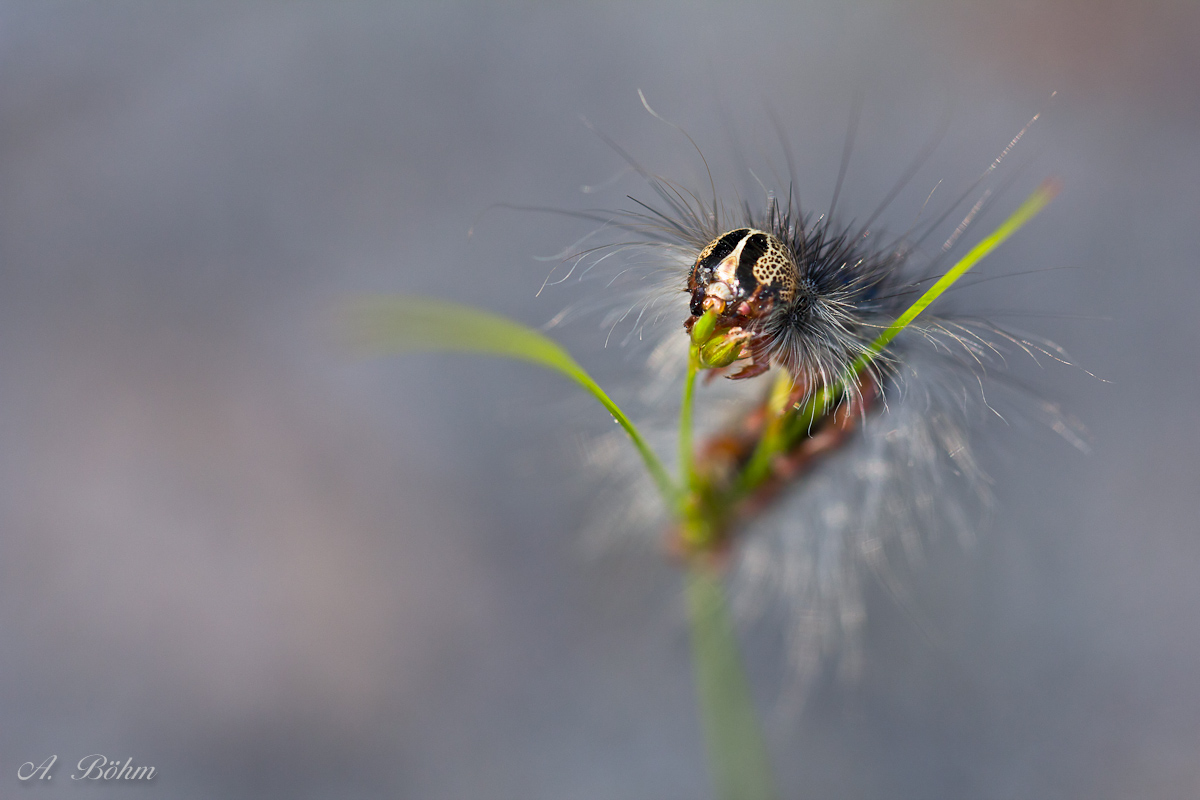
{"x":232,"y":551}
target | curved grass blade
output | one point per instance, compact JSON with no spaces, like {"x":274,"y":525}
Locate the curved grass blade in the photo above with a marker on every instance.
{"x":401,"y":323}
{"x":820,"y":403}
{"x":1025,"y":212}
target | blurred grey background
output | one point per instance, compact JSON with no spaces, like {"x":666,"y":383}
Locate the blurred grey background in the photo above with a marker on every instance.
{"x":230,"y":550}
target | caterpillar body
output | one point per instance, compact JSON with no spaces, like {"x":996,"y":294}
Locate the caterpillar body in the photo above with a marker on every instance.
{"x":889,"y":468}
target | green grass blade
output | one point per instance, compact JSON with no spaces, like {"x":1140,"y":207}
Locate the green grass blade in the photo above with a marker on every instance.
{"x":737,"y":750}
{"x":800,"y":423}
{"x":1025,"y":212}
{"x":406,"y":323}
{"x":820,"y":403}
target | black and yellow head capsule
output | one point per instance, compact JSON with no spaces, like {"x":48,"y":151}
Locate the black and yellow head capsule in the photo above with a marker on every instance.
{"x":742,"y":275}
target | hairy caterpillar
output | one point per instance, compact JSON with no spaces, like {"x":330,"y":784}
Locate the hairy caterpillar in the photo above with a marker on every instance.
{"x":803,"y":296}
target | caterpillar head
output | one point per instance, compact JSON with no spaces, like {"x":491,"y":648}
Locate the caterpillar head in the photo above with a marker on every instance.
{"x":749,"y":279}
{"x":741,"y":275}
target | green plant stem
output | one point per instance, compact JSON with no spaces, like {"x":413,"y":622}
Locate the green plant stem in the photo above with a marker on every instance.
{"x":685,"y":417}
{"x":773,"y":441}
{"x":738,"y":758}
